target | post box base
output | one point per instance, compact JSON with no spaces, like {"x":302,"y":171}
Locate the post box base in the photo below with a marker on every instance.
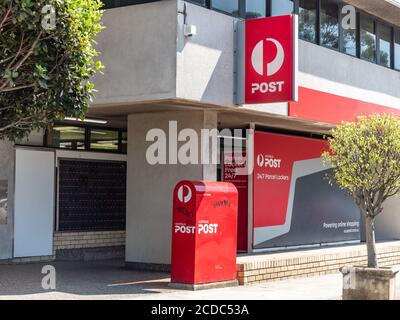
{"x":203,"y":286}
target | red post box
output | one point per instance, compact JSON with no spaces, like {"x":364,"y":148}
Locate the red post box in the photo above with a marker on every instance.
{"x":204,"y":233}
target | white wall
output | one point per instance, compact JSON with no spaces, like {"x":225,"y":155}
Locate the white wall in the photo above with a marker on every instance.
{"x":150,"y":187}
{"x":34,"y":203}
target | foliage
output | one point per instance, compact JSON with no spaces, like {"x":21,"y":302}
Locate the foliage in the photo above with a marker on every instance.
{"x":45,"y":72}
{"x":365,"y":156}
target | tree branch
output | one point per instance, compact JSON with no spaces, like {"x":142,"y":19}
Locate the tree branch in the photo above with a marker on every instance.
{"x":6,"y":16}
{"x":18,"y":52}
{"x":17,"y":88}
{"x":16,"y":123}
{"x":21,"y":62}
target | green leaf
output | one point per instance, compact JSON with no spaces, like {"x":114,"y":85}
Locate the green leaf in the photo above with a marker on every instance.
{"x":61,"y":65}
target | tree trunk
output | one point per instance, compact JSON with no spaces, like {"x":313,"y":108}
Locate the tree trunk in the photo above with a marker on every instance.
{"x":370,"y":238}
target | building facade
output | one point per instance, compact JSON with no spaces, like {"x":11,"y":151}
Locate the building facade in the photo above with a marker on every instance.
{"x":86,"y":190}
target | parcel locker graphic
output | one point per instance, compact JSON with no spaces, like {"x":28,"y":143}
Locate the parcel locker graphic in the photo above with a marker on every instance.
{"x":293,"y":203}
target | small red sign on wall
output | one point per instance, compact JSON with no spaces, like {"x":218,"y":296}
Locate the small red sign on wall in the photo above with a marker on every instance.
{"x":233,"y":161}
{"x":270,"y":60}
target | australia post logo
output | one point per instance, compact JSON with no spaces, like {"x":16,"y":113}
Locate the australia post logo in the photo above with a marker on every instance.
{"x":257,"y":58}
{"x":184,"y":193}
{"x":267,"y":161}
{"x":270,"y":59}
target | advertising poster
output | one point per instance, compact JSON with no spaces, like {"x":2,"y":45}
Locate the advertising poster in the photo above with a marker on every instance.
{"x":293,"y":203}
{"x":232,"y":161}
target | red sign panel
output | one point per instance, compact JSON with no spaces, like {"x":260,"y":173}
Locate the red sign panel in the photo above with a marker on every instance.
{"x":293,"y":203}
{"x":336,"y":108}
{"x":271,"y":60}
{"x":274,"y":156}
{"x":232,"y":162}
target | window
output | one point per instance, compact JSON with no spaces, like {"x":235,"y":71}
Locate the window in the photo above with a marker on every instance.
{"x":329,"y":25}
{"x":228,"y":6}
{"x":281,"y":7}
{"x":349,"y":36}
{"x":397,"y":49}
{"x":308,"y":20}
{"x":124,"y":142}
{"x":255,"y":9}
{"x":106,"y":140}
{"x":200,"y":2}
{"x":385,"y":40}
{"x":108,"y":4}
{"x":85,"y":137}
{"x":67,"y":137}
{"x":367,"y":39}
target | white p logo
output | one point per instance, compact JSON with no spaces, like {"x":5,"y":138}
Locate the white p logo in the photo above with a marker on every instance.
{"x":184,"y":194}
{"x":260,"y":160}
{"x":257,"y":58}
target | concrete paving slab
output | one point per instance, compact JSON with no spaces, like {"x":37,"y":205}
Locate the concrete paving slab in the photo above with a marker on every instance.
{"x":110,"y":280}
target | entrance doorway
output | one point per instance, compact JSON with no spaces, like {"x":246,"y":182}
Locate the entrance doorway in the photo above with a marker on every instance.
{"x":233,"y":157}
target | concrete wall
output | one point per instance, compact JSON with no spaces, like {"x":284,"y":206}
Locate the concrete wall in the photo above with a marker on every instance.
{"x":330,"y":71}
{"x":205,"y":62}
{"x":138,"y":49}
{"x":7,"y":173}
{"x":150,"y":187}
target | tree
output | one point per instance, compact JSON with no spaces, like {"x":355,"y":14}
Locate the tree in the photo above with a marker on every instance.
{"x":47,"y":57}
{"x":365,"y":156}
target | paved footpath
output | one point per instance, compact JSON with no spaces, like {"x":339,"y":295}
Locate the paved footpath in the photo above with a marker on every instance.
{"x":110,"y":280}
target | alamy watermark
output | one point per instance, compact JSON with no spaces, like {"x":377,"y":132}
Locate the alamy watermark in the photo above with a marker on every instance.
{"x":349,"y":278}
{"x":49,"y":280}
{"x":190,"y":147}
{"x":349,"y":18}
{"x":49,"y":17}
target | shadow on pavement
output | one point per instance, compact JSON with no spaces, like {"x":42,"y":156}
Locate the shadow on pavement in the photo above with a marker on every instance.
{"x":82,"y":278}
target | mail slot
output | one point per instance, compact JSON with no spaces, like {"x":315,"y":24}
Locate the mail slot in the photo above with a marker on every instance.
{"x":204,"y":232}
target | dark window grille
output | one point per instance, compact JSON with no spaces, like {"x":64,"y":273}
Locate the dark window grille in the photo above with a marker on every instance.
{"x":92,"y":195}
